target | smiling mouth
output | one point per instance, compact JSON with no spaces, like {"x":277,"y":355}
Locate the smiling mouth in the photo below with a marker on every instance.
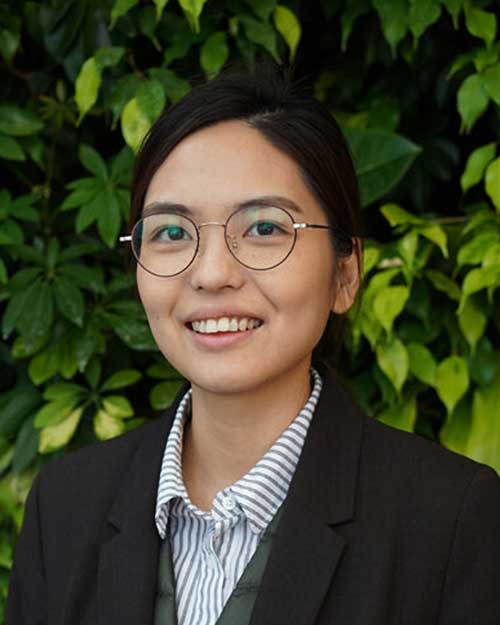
{"x":224,"y":326}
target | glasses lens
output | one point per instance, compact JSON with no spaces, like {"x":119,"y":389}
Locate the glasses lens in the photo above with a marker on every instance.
{"x":260,"y":237}
{"x":164,"y":244}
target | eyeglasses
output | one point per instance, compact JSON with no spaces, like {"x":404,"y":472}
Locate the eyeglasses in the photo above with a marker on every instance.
{"x":259,"y":237}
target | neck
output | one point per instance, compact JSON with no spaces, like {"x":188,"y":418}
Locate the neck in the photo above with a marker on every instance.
{"x":229,"y":433}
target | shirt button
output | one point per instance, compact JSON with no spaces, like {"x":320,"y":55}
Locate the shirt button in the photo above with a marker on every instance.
{"x":229,"y":503}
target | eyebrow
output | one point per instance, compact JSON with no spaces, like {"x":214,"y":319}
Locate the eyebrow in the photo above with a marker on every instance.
{"x":261,"y":201}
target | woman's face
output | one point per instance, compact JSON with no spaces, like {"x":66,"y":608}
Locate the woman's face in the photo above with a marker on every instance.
{"x":211,"y":171}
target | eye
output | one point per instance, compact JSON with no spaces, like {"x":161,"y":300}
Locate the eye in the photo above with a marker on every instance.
{"x":264,"y":229}
{"x":169,"y":233}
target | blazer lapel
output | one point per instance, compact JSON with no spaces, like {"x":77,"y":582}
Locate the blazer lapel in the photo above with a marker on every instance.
{"x":128,"y":563}
{"x":307,"y":549}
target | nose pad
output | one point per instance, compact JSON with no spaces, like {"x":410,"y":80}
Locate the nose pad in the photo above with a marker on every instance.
{"x":233,"y":242}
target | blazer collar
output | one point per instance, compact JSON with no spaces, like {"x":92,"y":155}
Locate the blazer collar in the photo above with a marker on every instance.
{"x":307,"y":548}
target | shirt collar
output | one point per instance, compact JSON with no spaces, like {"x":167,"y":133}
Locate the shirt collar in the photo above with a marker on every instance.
{"x":262,"y":490}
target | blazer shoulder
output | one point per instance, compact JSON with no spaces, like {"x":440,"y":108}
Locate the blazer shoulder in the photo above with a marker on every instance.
{"x":411,"y":454}
{"x":100,"y":462}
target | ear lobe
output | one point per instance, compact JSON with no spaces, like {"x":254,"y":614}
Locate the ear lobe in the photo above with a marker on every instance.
{"x":348,"y":280}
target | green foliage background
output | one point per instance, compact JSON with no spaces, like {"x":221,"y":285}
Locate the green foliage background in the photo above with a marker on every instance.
{"x":416,"y":87}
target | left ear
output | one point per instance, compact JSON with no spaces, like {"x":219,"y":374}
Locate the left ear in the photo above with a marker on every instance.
{"x":348,"y":279}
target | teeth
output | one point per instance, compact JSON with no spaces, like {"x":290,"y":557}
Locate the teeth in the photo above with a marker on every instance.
{"x":225,"y":324}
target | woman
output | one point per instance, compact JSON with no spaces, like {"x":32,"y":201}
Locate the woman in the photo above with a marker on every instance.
{"x":262,"y":496}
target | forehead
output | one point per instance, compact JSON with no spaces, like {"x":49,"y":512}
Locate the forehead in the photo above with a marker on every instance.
{"x":227,"y":163}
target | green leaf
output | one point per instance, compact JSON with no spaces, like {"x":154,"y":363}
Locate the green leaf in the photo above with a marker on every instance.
{"x":472,"y":101}
{"x":422,"y":363}
{"x":9,"y":44}
{"x":108,"y":56}
{"x":480,"y":23}
{"x":121,"y":7}
{"x":472,"y":322}
{"x":93,"y":162}
{"x":473,"y":252}
{"x":163,"y":394}
{"x":214,"y":53}
{"x":388,"y":304}
{"x":453,"y":7}
{"x":126,"y":377}
{"x":175,"y":88}
{"x":10,"y":149}
{"x":261,"y":34}
{"x":492,"y":182}
{"x":69,"y":300}
{"x":109,"y":219}
{"x":56,"y":436}
{"x":151,"y":99}
{"x":394,"y":19}
{"x":381,"y":160}
{"x":393,"y":359}
{"x":87,"y":87}
{"x":478,"y":279}
{"x":160,"y":5}
{"x":106,"y":426}
{"x":437,"y":235}
{"x":192,"y":10}
{"x":452,"y":381}
{"x":26,"y":447}
{"x":117,"y":406}
{"x":401,"y":415}
{"x":55,"y":412}
{"x":443,"y":283}
{"x":62,"y":391}
{"x":288,"y":26}
{"x":17,"y":405}
{"x":484,"y":437}
{"x":352,"y":10}
{"x":36,"y":319}
{"x":483,"y":363}
{"x":44,"y":365}
{"x":476,"y":164}
{"x":423,"y":13}
{"x":491,"y":82}
{"x":135,"y":124}
{"x":397,"y":216}
{"x":18,"y":122}
{"x":89,"y":212}
{"x":93,"y":372}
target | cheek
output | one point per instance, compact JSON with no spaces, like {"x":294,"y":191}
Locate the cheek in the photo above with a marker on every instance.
{"x":156,"y":296}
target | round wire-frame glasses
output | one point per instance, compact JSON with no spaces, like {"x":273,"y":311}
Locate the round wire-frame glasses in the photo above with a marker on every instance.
{"x":229,"y":239}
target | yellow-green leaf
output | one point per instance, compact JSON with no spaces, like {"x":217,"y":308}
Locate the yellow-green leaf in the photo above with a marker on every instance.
{"x":437,"y":235}
{"x":472,"y":322}
{"x":472,"y":101}
{"x":452,"y":381}
{"x":192,"y":10}
{"x":491,"y":82}
{"x":118,"y":406}
{"x":388,"y":304}
{"x":396,"y":215}
{"x":135,"y":124}
{"x":87,"y":87}
{"x":160,"y":5}
{"x":483,"y":444}
{"x":422,"y":363}
{"x":393,"y":359}
{"x":480,"y":23}
{"x":56,"y":436}
{"x":394,"y":18}
{"x":401,"y":416}
{"x":476,"y":164}
{"x":423,"y":13}
{"x":492,"y":182}
{"x":106,"y":426}
{"x":288,"y":26}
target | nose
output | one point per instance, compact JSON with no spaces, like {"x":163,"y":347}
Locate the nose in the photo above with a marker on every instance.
{"x":214,"y":267}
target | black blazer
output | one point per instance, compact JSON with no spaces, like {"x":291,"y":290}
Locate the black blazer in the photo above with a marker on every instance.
{"x":380,"y":527}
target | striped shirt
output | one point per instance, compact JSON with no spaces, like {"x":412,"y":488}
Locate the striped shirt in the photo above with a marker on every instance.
{"x":210,"y":550}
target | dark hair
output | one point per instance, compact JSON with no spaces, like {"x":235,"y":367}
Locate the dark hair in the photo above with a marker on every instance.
{"x":293,"y":121}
